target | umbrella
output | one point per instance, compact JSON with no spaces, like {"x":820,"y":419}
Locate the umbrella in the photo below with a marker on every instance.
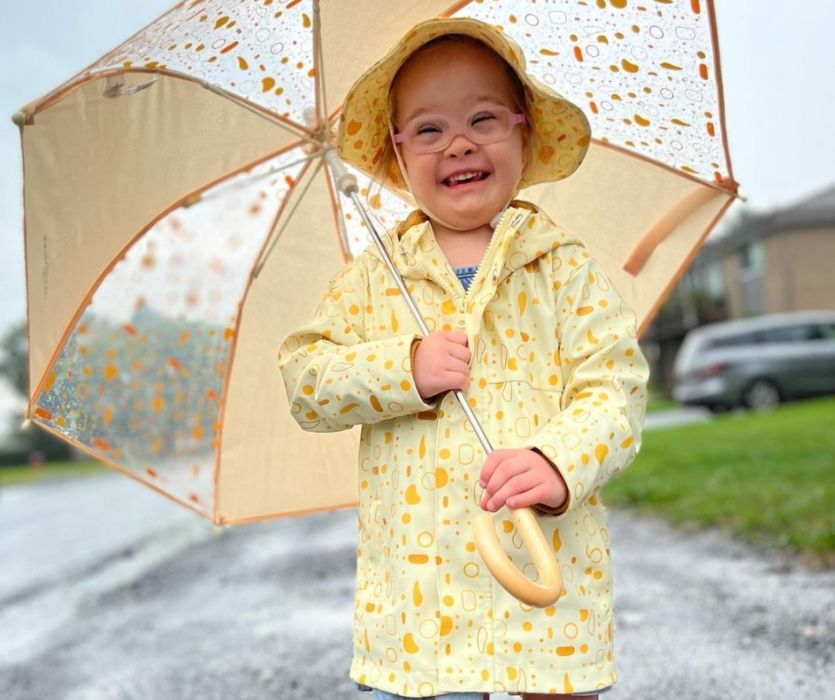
{"x":180,"y":217}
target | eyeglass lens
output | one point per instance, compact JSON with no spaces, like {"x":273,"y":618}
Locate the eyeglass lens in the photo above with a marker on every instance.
{"x":432,"y":133}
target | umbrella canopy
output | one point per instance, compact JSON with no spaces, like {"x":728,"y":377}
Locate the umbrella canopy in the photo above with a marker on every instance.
{"x":180,"y":219}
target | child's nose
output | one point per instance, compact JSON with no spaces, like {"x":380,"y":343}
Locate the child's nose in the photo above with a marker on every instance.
{"x":459,"y":146}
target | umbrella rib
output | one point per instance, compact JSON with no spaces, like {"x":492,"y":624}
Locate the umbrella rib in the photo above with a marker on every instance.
{"x":286,"y":220}
{"x":339,"y":222}
{"x":663,"y":227}
{"x":278,"y":122}
{"x":319,"y":56}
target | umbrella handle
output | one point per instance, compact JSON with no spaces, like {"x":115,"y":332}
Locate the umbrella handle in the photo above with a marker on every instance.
{"x":512,"y":580}
{"x":540,"y":595}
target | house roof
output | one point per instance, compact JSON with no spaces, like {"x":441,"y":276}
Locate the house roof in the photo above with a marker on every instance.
{"x":815,"y":211}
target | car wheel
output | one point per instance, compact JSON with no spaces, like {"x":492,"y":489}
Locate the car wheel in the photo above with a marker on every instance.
{"x":761,"y":395}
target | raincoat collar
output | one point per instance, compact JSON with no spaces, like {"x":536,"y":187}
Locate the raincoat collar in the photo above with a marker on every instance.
{"x":520,"y":237}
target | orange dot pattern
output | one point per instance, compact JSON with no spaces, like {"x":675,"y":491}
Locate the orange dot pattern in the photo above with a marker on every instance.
{"x":429,"y":617}
{"x":139,"y":380}
{"x":259,"y":50}
{"x":643,"y":72}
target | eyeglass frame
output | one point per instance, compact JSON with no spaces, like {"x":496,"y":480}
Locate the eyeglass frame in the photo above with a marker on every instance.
{"x":516,"y":119}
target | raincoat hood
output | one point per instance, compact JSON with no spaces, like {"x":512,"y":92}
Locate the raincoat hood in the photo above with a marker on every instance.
{"x":522,"y":234}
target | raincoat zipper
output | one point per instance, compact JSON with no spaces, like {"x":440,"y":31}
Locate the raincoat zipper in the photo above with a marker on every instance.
{"x":485,"y":256}
{"x":455,"y":290}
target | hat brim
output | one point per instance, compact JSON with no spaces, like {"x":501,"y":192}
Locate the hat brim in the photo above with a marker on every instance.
{"x":559,"y":130}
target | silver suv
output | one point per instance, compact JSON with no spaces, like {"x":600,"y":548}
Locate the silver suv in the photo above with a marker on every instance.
{"x":757,"y":362}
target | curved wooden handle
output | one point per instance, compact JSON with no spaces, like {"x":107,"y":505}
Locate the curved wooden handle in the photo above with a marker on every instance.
{"x":540,"y":595}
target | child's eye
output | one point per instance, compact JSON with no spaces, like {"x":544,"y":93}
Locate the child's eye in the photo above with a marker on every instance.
{"x":484,"y":116}
{"x":427,"y":129}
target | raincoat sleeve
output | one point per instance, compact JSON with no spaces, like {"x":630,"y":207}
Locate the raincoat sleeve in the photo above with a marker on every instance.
{"x":334,"y":377}
{"x":598,"y":431}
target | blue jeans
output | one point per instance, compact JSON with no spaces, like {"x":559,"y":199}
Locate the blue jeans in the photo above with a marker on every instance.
{"x":383,"y":695}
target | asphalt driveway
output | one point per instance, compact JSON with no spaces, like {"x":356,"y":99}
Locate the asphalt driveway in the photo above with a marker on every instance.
{"x":111,"y":592}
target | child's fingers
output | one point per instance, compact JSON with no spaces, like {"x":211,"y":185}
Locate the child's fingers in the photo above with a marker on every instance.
{"x":457,"y":337}
{"x":453,"y":364}
{"x":538,"y":494}
{"x":461,"y":352}
{"x":455,"y":379}
{"x":499,"y":466}
{"x":494,"y":459}
{"x":517,"y":484}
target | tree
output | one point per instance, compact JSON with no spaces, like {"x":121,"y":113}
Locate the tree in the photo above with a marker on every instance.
{"x":14,"y":367}
{"x":13,"y":353}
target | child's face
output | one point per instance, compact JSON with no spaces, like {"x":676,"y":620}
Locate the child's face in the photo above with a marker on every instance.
{"x":452,"y":80}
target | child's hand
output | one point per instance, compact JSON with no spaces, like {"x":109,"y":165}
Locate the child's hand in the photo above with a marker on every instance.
{"x":518,"y":478}
{"x":441,"y":363}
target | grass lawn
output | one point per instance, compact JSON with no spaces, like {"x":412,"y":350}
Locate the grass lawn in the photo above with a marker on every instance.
{"x":24,"y":473}
{"x":768,"y":478}
{"x":657,"y":402}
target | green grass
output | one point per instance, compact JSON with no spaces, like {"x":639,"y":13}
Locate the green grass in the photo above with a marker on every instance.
{"x":25,"y":473}
{"x":768,"y":478}
{"x":657,"y":402}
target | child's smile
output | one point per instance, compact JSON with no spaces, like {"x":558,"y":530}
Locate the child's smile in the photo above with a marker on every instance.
{"x":451,"y":89}
{"x":463,"y":178}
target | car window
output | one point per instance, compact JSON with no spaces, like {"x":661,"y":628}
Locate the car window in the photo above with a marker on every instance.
{"x":790,"y":334}
{"x":827,"y":330}
{"x":738,"y":339}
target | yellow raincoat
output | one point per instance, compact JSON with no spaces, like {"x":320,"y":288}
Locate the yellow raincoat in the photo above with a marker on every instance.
{"x":555,"y":366}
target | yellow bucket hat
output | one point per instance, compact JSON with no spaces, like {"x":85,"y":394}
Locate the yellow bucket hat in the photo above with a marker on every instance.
{"x":559,"y":131}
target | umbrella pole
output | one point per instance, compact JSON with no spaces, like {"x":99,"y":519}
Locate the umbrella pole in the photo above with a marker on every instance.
{"x":516,"y":583}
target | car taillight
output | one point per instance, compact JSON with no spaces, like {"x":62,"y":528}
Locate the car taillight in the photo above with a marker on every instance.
{"x":713,"y":370}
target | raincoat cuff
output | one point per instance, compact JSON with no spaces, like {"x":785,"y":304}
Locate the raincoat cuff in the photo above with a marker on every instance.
{"x":412,"y":352}
{"x":414,"y":401}
{"x":432,"y":402}
{"x":541,"y":508}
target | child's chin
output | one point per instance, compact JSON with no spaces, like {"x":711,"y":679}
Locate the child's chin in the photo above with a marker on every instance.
{"x":463,"y":216}
{"x":471,"y":201}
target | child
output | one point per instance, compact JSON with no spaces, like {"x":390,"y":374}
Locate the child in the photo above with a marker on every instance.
{"x":526,"y":323}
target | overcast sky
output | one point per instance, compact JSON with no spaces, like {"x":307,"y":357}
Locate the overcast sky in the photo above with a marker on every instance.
{"x":776,"y":60}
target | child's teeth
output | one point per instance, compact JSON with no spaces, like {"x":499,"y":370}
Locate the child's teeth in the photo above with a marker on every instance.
{"x":464,"y":176}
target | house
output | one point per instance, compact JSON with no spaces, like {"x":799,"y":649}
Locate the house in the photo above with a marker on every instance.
{"x":780,"y":261}
{"x":767,"y":263}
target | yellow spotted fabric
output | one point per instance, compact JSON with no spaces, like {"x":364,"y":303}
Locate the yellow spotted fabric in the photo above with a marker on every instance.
{"x":555,"y":366}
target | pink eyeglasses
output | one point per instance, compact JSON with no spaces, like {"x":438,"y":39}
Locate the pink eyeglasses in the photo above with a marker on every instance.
{"x":430,"y":133}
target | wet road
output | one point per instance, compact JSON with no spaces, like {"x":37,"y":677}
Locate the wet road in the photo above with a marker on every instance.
{"x":111,"y":592}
